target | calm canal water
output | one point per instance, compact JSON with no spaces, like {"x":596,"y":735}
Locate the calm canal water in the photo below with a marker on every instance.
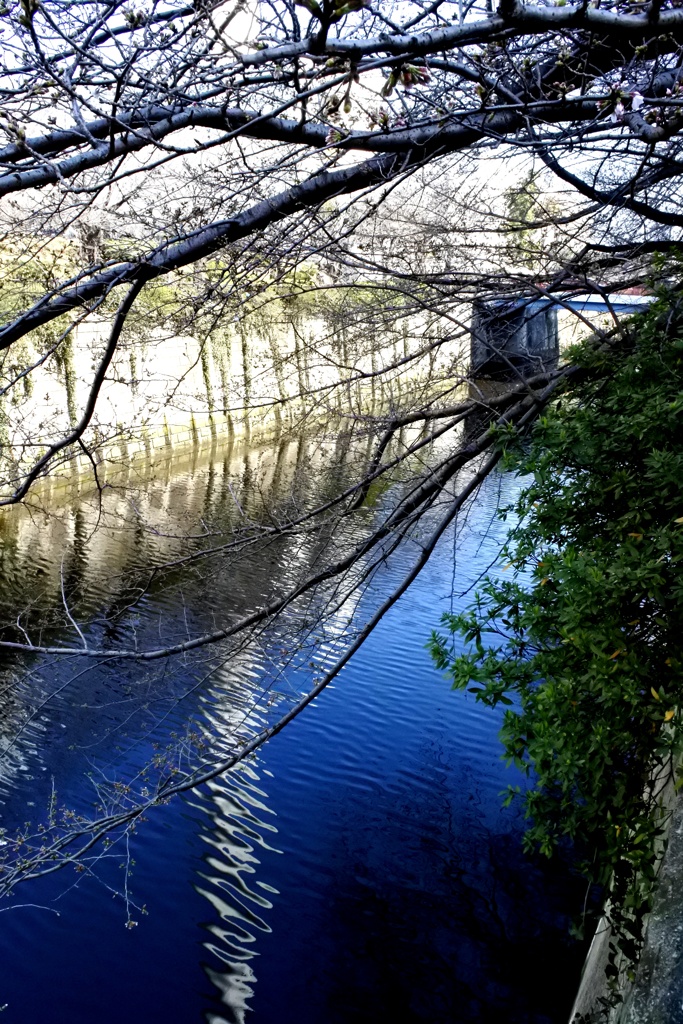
{"x":359,"y":868}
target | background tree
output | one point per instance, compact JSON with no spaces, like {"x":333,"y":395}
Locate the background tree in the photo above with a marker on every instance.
{"x":186,"y":165}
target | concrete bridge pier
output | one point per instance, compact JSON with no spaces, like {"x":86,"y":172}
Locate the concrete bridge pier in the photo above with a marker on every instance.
{"x":511,"y":337}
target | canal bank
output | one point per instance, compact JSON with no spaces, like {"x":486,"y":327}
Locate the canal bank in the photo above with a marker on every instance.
{"x":654,"y":995}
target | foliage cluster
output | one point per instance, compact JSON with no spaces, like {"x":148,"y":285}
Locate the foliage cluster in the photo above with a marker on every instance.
{"x":583,"y":642}
{"x":530,"y":216}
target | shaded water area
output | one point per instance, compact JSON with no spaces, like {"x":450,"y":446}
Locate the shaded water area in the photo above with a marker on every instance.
{"x":358,"y":868}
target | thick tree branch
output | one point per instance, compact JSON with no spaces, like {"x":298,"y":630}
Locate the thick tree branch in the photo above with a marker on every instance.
{"x":521,"y":19}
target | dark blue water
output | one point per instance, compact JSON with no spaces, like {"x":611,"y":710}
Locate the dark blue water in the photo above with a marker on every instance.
{"x":359,"y":868}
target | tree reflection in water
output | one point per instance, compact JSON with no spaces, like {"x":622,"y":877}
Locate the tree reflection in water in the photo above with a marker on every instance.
{"x":359,"y":867}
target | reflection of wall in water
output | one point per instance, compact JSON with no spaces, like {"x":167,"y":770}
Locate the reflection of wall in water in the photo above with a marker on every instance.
{"x":103,"y":553}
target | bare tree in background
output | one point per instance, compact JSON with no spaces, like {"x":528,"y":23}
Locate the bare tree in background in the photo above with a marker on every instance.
{"x":194,"y":166}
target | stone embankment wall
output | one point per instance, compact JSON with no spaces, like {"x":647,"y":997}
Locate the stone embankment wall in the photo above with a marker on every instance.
{"x":655,"y":994}
{"x":286,"y":363}
{"x":277,"y":366}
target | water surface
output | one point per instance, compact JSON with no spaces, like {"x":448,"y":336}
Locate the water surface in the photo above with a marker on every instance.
{"x":358,"y":868}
